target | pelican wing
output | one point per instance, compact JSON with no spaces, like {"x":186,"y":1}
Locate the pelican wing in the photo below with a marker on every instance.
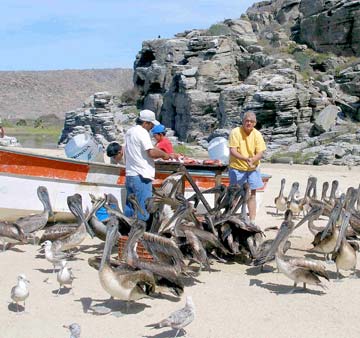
{"x":313,"y":267}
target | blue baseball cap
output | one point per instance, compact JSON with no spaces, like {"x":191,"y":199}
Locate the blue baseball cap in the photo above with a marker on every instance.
{"x":160,"y":128}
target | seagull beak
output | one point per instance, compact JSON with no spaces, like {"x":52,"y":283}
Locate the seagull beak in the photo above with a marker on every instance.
{"x":65,"y":326}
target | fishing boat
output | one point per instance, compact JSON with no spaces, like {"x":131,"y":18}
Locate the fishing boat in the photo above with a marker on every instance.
{"x":22,"y":172}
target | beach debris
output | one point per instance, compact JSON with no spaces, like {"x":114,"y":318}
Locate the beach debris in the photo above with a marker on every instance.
{"x":20,"y":291}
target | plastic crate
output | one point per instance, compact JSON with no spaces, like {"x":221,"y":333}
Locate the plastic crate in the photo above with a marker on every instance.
{"x":142,"y":253}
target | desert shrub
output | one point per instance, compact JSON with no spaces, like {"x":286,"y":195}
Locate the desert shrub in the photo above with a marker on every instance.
{"x":21,"y":123}
{"x":39,"y":123}
{"x":182,"y":149}
{"x":297,"y":157}
{"x":130,"y":96}
{"x":218,"y":29}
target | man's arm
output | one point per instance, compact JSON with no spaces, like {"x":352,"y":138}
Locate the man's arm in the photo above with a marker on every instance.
{"x":158,"y":153}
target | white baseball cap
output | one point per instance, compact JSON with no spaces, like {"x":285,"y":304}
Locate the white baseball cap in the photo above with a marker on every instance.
{"x":148,"y":116}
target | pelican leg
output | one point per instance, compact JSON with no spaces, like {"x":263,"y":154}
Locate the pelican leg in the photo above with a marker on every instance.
{"x":304,"y":286}
{"x":293,"y":289}
{"x":354,"y":275}
{"x":327,"y":258}
{"x":337,"y":275}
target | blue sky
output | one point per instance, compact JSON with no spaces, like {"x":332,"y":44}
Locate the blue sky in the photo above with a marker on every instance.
{"x":85,"y":34}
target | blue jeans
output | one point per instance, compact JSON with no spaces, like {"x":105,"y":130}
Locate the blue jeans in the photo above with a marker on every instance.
{"x":240,"y":177}
{"x":142,"y":188}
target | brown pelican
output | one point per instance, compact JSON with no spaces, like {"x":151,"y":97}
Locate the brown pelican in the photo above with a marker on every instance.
{"x":57,"y":231}
{"x":345,"y":252}
{"x":20,"y":291}
{"x":334,"y":187}
{"x":281,"y":200}
{"x":125,"y":283}
{"x":294,"y":204}
{"x":35,"y":222}
{"x":300,"y":270}
{"x":168,"y":263}
{"x":76,"y":237}
{"x":324,"y":190}
{"x":64,"y":276}
{"x":180,"y":318}
{"x":12,"y":234}
{"x":325,"y":241}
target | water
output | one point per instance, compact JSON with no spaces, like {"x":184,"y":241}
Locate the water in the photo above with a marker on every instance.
{"x":37,"y":141}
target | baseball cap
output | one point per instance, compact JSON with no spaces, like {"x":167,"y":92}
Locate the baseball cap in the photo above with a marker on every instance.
{"x":148,"y":116}
{"x":160,"y":128}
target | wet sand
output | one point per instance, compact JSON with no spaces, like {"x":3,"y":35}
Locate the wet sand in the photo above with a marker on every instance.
{"x":234,"y":300}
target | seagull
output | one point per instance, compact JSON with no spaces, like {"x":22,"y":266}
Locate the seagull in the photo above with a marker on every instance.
{"x":53,"y":256}
{"x":20,"y":291}
{"x":64,"y":276}
{"x":74,"y":329}
{"x":180,"y":318}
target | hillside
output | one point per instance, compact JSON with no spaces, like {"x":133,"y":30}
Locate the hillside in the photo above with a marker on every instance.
{"x":30,"y":94}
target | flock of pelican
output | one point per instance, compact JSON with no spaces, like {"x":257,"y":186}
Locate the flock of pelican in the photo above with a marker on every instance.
{"x":336,"y":241}
{"x":176,"y":237}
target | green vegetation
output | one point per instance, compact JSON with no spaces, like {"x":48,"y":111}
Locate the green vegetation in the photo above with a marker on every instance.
{"x":130,"y":96}
{"x":297,"y":157}
{"x":219,"y":29}
{"x":131,"y":110}
{"x":182,"y":149}
{"x":349,"y":62}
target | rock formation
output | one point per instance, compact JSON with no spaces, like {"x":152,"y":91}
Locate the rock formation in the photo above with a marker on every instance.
{"x":294,"y":62}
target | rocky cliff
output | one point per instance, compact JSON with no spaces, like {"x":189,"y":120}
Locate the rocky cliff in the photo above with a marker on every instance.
{"x":294,"y":62}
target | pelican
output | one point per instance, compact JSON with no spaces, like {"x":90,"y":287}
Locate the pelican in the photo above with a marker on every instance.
{"x":76,"y":237}
{"x":35,"y":222}
{"x":20,"y":292}
{"x":345,"y":252}
{"x":324,"y":190}
{"x":281,"y":200}
{"x":169,"y":259}
{"x":124,"y":284}
{"x":299,"y":270}
{"x":64,"y":276}
{"x":334,"y":187}
{"x":294,"y":204}
{"x":11,"y":233}
{"x":325,"y":241}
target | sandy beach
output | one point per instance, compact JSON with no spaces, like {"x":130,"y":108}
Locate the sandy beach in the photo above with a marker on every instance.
{"x":234,"y":300}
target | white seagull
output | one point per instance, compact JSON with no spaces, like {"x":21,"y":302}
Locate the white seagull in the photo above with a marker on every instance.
{"x":53,"y":256}
{"x":180,"y":318}
{"x":64,"y":276}
{"x":74,"y":329}
{"x":20,"y":291}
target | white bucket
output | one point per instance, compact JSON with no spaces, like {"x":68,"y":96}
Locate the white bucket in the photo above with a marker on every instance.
{"x":218,"y":149}
{"x":84,"y":147}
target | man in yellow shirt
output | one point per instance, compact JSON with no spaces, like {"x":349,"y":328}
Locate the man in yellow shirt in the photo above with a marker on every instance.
{"x":246,"y":149}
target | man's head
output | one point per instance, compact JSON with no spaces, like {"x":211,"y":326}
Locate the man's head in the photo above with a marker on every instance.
{"x":158,"y":131}
{"x":114,"y":151}
{"x":249,"y":121}
{"x":147,"y":119}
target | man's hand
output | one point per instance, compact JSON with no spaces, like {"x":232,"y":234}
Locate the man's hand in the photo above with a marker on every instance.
{"x":250,"y":162}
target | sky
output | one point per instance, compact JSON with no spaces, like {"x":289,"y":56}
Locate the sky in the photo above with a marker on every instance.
{"x":93,"y":34}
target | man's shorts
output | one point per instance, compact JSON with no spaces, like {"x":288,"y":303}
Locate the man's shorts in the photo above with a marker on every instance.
{"x":240,"y":177}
